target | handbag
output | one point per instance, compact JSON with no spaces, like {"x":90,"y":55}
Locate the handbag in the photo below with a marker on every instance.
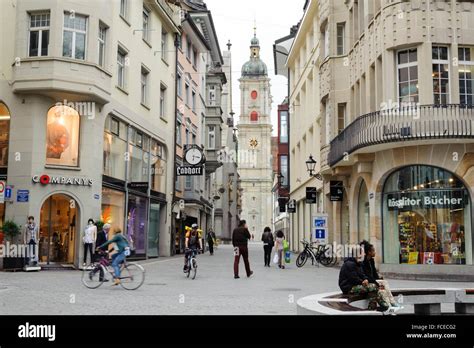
{"x":276,"y":259}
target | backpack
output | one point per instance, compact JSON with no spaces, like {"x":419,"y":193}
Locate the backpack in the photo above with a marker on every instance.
{"x":193,"y":239}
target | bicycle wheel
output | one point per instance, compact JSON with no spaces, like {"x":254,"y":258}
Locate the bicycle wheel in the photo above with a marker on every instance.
{"x":91,"y":278}
{"x":301,"y":259}
{"x":132,"y":277}
{"x":194,"y":267}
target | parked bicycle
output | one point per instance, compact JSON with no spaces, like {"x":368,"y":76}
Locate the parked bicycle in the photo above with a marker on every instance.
{"x":192,"y":264}
{"x":132,"y":274}
{"x":321,"y":254}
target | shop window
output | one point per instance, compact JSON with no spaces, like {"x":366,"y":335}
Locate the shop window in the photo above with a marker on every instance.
{"x":158,"y":167}
{"x":137,"y":220}
{"x":115,"y":147}
{"x":427,"y":218}
{"x":62,"y":136}
{"x":113,"y":208}
{"x":4,"y":134}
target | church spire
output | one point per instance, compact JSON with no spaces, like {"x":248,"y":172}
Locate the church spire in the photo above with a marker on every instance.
{"x":255,"y":44}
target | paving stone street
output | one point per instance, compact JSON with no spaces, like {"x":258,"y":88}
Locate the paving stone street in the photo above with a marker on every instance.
{"x":167,"y":291}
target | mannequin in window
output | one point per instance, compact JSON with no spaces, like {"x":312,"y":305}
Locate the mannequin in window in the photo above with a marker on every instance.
{"x":89,"y":238}
{"x":31,"y":238}
{"x":57,"y":137}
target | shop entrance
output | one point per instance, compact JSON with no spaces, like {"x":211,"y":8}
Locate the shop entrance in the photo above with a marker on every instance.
{"x":58,"y":230}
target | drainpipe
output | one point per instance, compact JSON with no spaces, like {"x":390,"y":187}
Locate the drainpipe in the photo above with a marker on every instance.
{"x":175,"y":136}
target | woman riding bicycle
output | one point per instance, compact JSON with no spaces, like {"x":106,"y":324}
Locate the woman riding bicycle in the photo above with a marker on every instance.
{"x":123,"y":250}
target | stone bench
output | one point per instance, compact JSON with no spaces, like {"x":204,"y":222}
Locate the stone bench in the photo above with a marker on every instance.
{"x":425,"y":302}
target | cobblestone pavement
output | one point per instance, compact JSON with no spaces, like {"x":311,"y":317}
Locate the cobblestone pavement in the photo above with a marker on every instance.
{"x":167,"y":291}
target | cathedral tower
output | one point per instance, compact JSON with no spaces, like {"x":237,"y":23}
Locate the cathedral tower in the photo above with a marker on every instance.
{"x":255,"y":132}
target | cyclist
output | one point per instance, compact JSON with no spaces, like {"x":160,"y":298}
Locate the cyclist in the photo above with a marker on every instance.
{"x":192,"y":243}
{"x":123,"y":250}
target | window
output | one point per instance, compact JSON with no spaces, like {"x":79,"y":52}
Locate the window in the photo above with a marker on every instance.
{"x":407,"y":66}
{"x":74,"y":36}
{"x":121,"y":67}
{"x":144,"y":85}
{"x":284,"y":169}
{"x":178,"y":133}
{"x":101,"y":42}
{"x":163,"y":101}
{"x":211,"y":143}
{"x":115,"y":145}
{"x":39,"y":35}
{"x":284,"y":127}
{"x":341,"y":117}
{"x":62,"y":136}
{"x":189,"y":50}
{"x":326,"y":41}
{"x":187,"y":96}
{"x":466,"y":75}
{"x":254,"y":116}
{"x":164,"y":44}
{"x":341,"y":28}
{"x":195,"y":58}
{"x":440,"y":75}
{"x":123,"y":8}
{"x":146,"y":24}
{"x":179,"y":81}
{"x":5,"y":134}
{"x":193,"y":101}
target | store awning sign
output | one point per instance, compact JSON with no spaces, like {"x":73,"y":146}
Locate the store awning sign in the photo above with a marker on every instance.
{"x":291,"y":208}
{"x":336,"y":191}
{"x":190,"y":170}
{"x":311,"y":195}
{"x":442,"y":199}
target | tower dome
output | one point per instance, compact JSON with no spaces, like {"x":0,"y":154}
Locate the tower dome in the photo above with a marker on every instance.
{"x":255,"y":66}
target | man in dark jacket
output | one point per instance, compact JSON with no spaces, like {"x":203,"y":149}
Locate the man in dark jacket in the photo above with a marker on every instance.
{"x":240,"y":237}
{"x":353,"y":281}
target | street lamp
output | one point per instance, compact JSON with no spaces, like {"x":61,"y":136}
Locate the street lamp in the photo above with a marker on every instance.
{"x":281,"y":179}
{"x":311,"y":166}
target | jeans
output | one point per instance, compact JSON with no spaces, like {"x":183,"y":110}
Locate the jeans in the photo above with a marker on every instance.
{"x":244,"y":251}
{"x":267,"y":254}
{"x":117,"y":259}
{"x":88,"y":246}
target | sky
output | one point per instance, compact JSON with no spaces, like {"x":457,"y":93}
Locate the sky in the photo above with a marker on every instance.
{"x":234,"y":21}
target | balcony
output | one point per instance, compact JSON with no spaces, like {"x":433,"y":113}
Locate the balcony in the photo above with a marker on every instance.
{"x":370,"y":132}
{"x":62,"y":78}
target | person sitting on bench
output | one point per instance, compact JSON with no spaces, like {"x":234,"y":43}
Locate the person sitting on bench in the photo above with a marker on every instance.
{"x":353,"y":281}
{"x":368,"y":267}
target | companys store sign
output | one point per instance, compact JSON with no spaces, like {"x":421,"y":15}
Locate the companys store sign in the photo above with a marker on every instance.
{"x":61,"y":180}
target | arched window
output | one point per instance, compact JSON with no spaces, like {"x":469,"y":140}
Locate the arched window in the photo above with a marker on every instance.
{"x":62,"y":136}
{"x":426,"y":217}
{"x":4,"y":134}
{"x":254,"y":116}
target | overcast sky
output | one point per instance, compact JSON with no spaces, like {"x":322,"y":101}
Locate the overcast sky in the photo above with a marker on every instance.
{"x":234,"y":21}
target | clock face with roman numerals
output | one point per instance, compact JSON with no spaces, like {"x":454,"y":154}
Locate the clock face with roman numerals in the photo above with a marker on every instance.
{"x":253,"y":143}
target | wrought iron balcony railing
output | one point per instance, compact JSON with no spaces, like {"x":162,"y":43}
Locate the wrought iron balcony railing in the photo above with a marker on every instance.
{"x":403,"y":124}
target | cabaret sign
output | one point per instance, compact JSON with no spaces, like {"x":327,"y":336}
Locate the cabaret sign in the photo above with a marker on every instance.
{"x":61,"y":180}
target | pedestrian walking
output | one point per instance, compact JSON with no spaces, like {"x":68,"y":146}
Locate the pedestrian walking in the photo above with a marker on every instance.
{"x":279,"y":247}
{"x":211,"y":240}
{"x":240,"y":238}
{"x":268,"y":243}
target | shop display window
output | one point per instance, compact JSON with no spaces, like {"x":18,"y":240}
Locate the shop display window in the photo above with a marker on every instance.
{"x":113,"y":208}
{"x":427,"y":218}
{"x":62,"y":136}
{"x":137,"y":220}
{"x":4,"y":134}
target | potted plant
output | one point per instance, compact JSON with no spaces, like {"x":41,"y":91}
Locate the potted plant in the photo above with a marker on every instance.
{"x":12,"y":230}
{"x":100,"y":224}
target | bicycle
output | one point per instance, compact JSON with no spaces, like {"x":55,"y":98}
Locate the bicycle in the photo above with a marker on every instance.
{"x":319,"y":255}
{"x":132,"y":274}
{"x":192,"y":264}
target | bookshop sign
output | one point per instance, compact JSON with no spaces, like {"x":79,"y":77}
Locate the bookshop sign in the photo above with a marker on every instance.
{"x":433,"y":199}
